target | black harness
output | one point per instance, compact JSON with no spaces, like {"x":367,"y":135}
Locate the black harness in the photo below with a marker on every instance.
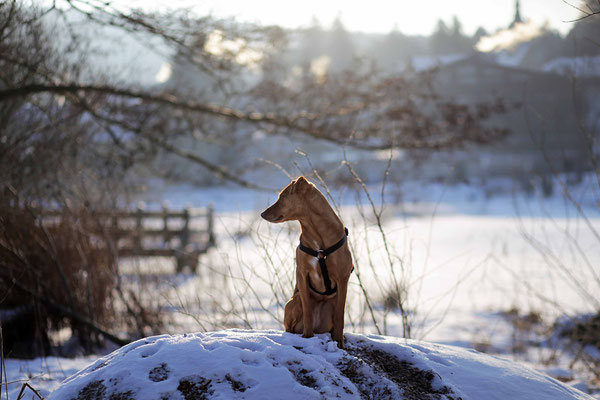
{"x":321,"y":255}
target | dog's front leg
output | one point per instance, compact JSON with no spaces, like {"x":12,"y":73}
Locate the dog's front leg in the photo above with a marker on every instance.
{"x":307,"y":306}
{"x":338,"y":314}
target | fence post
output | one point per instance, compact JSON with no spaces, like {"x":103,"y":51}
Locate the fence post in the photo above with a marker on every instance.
{"x":210,"y":225}
{"x":184,"y":238}
{"x":114,"y":226}
{"x":137,"y":241}
{"x":165,"y":210}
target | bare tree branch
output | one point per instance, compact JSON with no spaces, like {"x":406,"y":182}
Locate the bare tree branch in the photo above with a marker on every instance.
{"x":584,"y":13}
{"x":309,"y":124}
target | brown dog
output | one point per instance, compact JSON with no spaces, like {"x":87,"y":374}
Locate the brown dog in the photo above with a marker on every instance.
{"x":317,"y":305}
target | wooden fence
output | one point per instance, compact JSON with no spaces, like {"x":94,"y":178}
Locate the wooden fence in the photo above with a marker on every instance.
{"x":184,"y":235}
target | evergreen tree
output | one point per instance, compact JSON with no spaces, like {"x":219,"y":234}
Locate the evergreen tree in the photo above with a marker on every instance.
{"x":456,"y":27}
{"x":341,"y":47}
{"x":439,"y":39}
{"x":312,"y":42}
{"x":446,"y":40}
{"x":394,"y":50}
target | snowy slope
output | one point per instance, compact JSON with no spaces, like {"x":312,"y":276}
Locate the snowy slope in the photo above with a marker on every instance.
{"x":275,"y":365}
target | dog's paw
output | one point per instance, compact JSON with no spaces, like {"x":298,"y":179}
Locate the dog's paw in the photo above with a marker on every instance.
{"x":340,"y":341}
{"x":307,"y":335}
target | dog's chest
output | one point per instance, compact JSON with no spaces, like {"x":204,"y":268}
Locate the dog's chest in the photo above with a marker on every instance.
{"x":314,"y":270}
{"x":315,"y":276}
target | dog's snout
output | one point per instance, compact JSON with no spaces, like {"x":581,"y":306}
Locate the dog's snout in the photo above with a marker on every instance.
{"x":270,"y":216}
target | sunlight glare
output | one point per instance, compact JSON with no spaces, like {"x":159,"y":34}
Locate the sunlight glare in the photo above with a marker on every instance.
{"x":217,"y":45}
{"x":164,"y":73}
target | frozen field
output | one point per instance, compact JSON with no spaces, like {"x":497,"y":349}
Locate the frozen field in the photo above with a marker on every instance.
{"x":459,"y":260}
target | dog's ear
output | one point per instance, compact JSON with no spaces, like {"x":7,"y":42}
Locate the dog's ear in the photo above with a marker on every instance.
{"x":301,"y":180}
{"x":299,"y":184}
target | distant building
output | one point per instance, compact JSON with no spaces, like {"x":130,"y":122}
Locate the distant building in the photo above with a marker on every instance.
{"x":546,"y":134}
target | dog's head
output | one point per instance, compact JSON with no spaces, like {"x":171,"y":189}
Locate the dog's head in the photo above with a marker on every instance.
{"x":290,"y":202}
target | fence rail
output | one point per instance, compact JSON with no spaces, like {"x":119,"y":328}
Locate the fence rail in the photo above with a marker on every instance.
{"x":143,"y":233}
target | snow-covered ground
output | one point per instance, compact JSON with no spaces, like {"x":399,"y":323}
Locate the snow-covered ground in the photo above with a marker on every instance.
{"x":461,"y":258}
{"x":238,"y":364}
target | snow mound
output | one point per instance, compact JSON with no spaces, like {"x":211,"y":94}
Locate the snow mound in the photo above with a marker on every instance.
{"x":276,"y":365}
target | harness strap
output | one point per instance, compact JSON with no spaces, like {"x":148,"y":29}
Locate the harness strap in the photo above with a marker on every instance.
{"x":322,"y":255}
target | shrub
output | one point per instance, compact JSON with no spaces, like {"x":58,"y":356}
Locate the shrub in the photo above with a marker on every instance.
{"x":51,"y":276}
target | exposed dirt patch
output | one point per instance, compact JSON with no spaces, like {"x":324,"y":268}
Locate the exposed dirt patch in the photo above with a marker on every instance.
{"x":159,"y":374}
{"x":414,"y":383}
{"x":303,"y":377}
{"x":92,"y":391}
{"x":301,"y":374}
{"x":236,"y":385}
{"x":122,"y":396}
{"x":368,"y":387}
{"x":195,"y":387}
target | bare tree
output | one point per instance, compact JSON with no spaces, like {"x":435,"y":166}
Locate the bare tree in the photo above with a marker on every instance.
{"x":126,"y":123}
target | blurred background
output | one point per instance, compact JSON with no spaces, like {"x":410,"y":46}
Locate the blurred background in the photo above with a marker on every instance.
{"x":139,"y":142}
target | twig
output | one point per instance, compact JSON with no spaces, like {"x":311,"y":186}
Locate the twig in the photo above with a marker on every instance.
{"x":585,"y":14}
{"x":3,"y":376}
{"x":377,"y":215}
{"x":22,"y":392}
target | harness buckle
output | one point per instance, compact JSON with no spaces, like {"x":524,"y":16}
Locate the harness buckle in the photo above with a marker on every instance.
{"x":321,"y":254}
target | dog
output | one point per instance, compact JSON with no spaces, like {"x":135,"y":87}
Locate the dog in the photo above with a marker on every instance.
{"x":323,"y":261}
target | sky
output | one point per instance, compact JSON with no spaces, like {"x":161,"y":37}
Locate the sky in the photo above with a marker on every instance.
{"x":381,"y":16}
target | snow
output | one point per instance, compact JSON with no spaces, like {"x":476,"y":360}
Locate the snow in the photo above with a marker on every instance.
{"x":424,"y":63}
{"x":273,"y":364}
{"x":464,"y":258}
{"x":43,"y":374}
{"x":513,"y":57}
{"x":497,"y":197}
{"x":580,"y":67}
